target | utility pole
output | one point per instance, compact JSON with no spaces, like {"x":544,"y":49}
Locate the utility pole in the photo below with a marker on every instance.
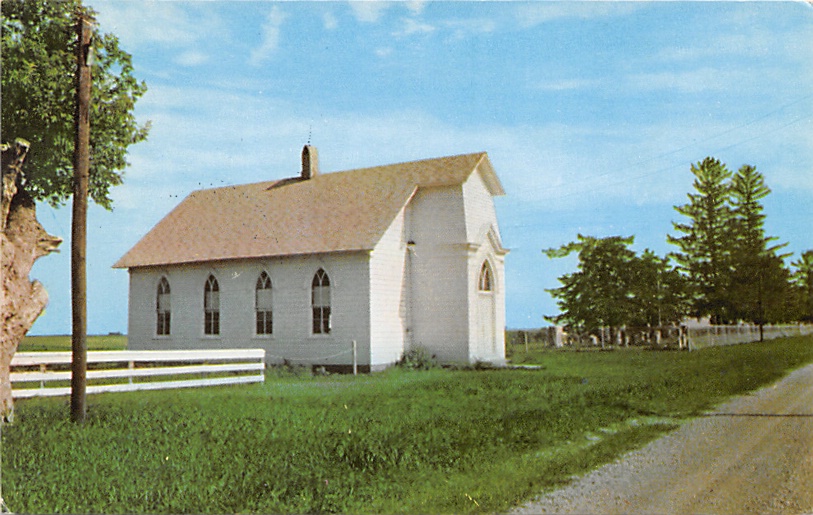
{"x":81,"y":172}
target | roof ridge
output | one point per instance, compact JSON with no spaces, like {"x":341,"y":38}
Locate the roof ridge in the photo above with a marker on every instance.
{"x":241,"y":185}
{"x":410,"y":162}
{"x":296,"y":178}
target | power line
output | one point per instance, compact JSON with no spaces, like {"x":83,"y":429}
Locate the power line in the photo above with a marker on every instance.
{"x":695,"y":143}
{"x":618,"y":177}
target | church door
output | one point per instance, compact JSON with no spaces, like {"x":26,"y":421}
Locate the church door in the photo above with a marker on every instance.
{"x":486,"y":317}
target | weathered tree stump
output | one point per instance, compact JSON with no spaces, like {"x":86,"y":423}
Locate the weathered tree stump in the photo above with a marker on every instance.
{"x":23,"y":241}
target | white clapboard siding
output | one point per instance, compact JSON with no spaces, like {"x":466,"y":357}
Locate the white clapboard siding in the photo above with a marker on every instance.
{"x":249,"y":363}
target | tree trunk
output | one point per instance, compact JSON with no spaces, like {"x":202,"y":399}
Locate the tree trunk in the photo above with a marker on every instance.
{"x":23,"y":242}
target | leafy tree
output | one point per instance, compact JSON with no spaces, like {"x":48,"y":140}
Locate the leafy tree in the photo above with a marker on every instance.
{"x":803,"y":282}
{"x":37,"y":49}
{"x":705,"y":245}
{"x":596,"y":295}
{"x":759,"y":283}
{"x":658,"y":291}
{"x":38,"y":63}
{"x":614,"y":287}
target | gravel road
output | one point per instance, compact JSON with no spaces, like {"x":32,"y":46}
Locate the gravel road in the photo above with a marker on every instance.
{"x":753,"y":454}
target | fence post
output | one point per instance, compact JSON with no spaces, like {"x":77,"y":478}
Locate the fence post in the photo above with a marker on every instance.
{"x":43,"y":368}
{"x":355,"y":358}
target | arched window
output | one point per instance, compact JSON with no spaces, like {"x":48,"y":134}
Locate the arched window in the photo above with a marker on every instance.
{"x":162,"y":308}
{"x":263,"y":305}
{"x":486,"y":281}
{"x":320,"y":302}
{"x":211,"y":307}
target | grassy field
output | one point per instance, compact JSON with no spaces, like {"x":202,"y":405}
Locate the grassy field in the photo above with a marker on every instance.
{"x":63,"y":343}
{"x":396,"y":442}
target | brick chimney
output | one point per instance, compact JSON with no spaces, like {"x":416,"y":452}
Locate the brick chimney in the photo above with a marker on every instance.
{"x":310,"y":162}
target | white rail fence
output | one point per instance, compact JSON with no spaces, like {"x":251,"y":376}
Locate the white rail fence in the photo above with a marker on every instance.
{"x":717,"y":335}
{"x":669,"y":337}
{"x":44,"y":374}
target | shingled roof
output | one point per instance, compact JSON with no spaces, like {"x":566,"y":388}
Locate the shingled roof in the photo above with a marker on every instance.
{"x":332,"y":212}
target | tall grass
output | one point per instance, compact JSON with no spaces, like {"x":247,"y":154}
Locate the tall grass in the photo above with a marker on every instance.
{"x":395,"y":442}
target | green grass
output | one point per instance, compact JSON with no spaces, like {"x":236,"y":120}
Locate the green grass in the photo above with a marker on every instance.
{"x":63,"y":343}
{"x":396,"y":442}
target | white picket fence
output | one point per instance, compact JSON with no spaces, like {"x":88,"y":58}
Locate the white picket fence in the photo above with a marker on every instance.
{"x":142,"y":370}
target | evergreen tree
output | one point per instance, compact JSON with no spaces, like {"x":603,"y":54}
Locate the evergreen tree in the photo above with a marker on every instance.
{"x":803,"y":286}
{"x":704,"y":254}
{"x":759,"y":278}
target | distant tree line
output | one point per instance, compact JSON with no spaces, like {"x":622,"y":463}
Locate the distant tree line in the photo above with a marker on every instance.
{"x":725,"y":267}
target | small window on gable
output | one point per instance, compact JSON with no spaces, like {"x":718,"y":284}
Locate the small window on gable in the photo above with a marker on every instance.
{"x":163,"y":308}
{"x":320,"y":302}
{"x":211,"y":307}
{"x":486,"y":282}
{"x":263,"y":305}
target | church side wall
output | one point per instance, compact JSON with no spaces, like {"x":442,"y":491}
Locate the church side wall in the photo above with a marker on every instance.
{"x":388,"y":294}
{"x":292,"y":337}
{"x":438,"y":266}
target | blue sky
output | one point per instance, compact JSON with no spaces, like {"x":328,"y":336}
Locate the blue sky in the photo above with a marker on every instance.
{"x":591,"y":112}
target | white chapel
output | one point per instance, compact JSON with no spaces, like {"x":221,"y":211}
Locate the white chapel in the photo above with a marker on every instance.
{"x":392,"y":257}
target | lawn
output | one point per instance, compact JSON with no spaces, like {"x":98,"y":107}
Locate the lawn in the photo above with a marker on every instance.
{"x":63,"y":343}
{"x":451,"y":441}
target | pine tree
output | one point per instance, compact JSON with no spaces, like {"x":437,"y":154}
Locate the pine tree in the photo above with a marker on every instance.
{"x":803,"y":286}
{"x":704,"y":254}
{"x":759,"y":277}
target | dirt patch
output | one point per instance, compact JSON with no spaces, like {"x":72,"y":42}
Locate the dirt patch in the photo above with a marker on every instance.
{"x":753,"y":454}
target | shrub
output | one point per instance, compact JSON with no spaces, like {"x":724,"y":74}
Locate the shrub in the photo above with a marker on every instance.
{"x":418,"y":358}
{"x":484,"y":365}
{"x":287,"y":369}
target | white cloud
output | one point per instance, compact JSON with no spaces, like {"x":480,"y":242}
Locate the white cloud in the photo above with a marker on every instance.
{"x":270,"y":37}
{"x":191,"y":58}
{"x":536,"y":13}
{"x":465,"y":27}
{"x":687,"y":81}
{"x":416,"y":6}
{"x":329,"y":21}
{"x":690,"y":81}
{"x":137,"y":23}
{"x":371,"y":11}
{"x":383,"y":51}
{"x":368,"y":11}
{"x":566,"y":84}
{"x":751,"y":45}
{"x":412,"y":27}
